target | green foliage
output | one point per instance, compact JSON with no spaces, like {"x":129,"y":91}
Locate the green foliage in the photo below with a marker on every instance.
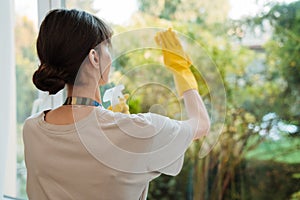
{"x":270,"y":180}
{"x":283,"y":57}
{"x":285,"y":150}
{"x":167,"y":188}
{"x":169,"y":9}
{"x":200,"y":12}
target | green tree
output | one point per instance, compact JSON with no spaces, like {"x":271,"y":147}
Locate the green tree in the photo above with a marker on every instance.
{"x":283,"y":58}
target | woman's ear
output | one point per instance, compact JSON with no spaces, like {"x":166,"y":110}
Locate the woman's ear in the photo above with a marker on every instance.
{"x":94,"y":58}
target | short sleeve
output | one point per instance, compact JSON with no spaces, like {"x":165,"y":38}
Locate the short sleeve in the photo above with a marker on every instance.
{"x":166,"y":140}
{"x":174,"y":138}
{"x":139,"y":143}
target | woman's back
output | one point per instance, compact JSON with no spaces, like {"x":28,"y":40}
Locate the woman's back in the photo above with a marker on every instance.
{"x":67,"y":161}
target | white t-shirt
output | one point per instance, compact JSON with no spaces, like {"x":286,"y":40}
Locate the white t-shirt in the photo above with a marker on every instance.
{"x":106,"y":155}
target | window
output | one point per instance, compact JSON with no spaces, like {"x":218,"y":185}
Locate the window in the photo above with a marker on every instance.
{"x":254,"y":120}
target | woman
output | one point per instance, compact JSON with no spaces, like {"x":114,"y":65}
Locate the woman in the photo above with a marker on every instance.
{"x":81,"y":150}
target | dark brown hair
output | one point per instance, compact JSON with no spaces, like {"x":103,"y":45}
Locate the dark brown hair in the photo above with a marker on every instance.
{"x":65,"y":39}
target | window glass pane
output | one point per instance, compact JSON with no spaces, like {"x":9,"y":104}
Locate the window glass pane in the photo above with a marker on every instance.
{"x":259,"y":144}
{"x":259,"y":66}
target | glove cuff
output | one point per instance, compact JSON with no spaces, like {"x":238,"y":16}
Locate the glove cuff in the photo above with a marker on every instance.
{"x":185,"y":81}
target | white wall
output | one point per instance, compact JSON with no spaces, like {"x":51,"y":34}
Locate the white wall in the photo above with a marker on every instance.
{"x":7,"y":94}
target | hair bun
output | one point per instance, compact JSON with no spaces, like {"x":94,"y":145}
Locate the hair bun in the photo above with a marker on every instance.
{"x":47,"y":78}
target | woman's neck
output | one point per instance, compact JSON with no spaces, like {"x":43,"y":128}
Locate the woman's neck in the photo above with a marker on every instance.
{"x":82,"y":91}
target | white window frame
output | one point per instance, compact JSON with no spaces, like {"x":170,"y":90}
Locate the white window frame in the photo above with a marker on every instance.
{"x":8,"y":96}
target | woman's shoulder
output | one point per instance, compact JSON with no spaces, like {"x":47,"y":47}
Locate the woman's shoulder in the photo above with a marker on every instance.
{"x":139,"y":119}
{"x":34,"y":117}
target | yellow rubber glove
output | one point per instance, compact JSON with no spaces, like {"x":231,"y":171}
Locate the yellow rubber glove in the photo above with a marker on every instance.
{"x":121,"y":106}
{"x":176,"y":60}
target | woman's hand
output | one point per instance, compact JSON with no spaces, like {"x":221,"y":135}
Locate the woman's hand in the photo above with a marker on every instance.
{"x":174,"y":56}
{"x":177,"y":60}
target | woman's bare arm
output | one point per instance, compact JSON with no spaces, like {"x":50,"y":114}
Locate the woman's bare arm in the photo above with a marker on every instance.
{"x":197,"y":114}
